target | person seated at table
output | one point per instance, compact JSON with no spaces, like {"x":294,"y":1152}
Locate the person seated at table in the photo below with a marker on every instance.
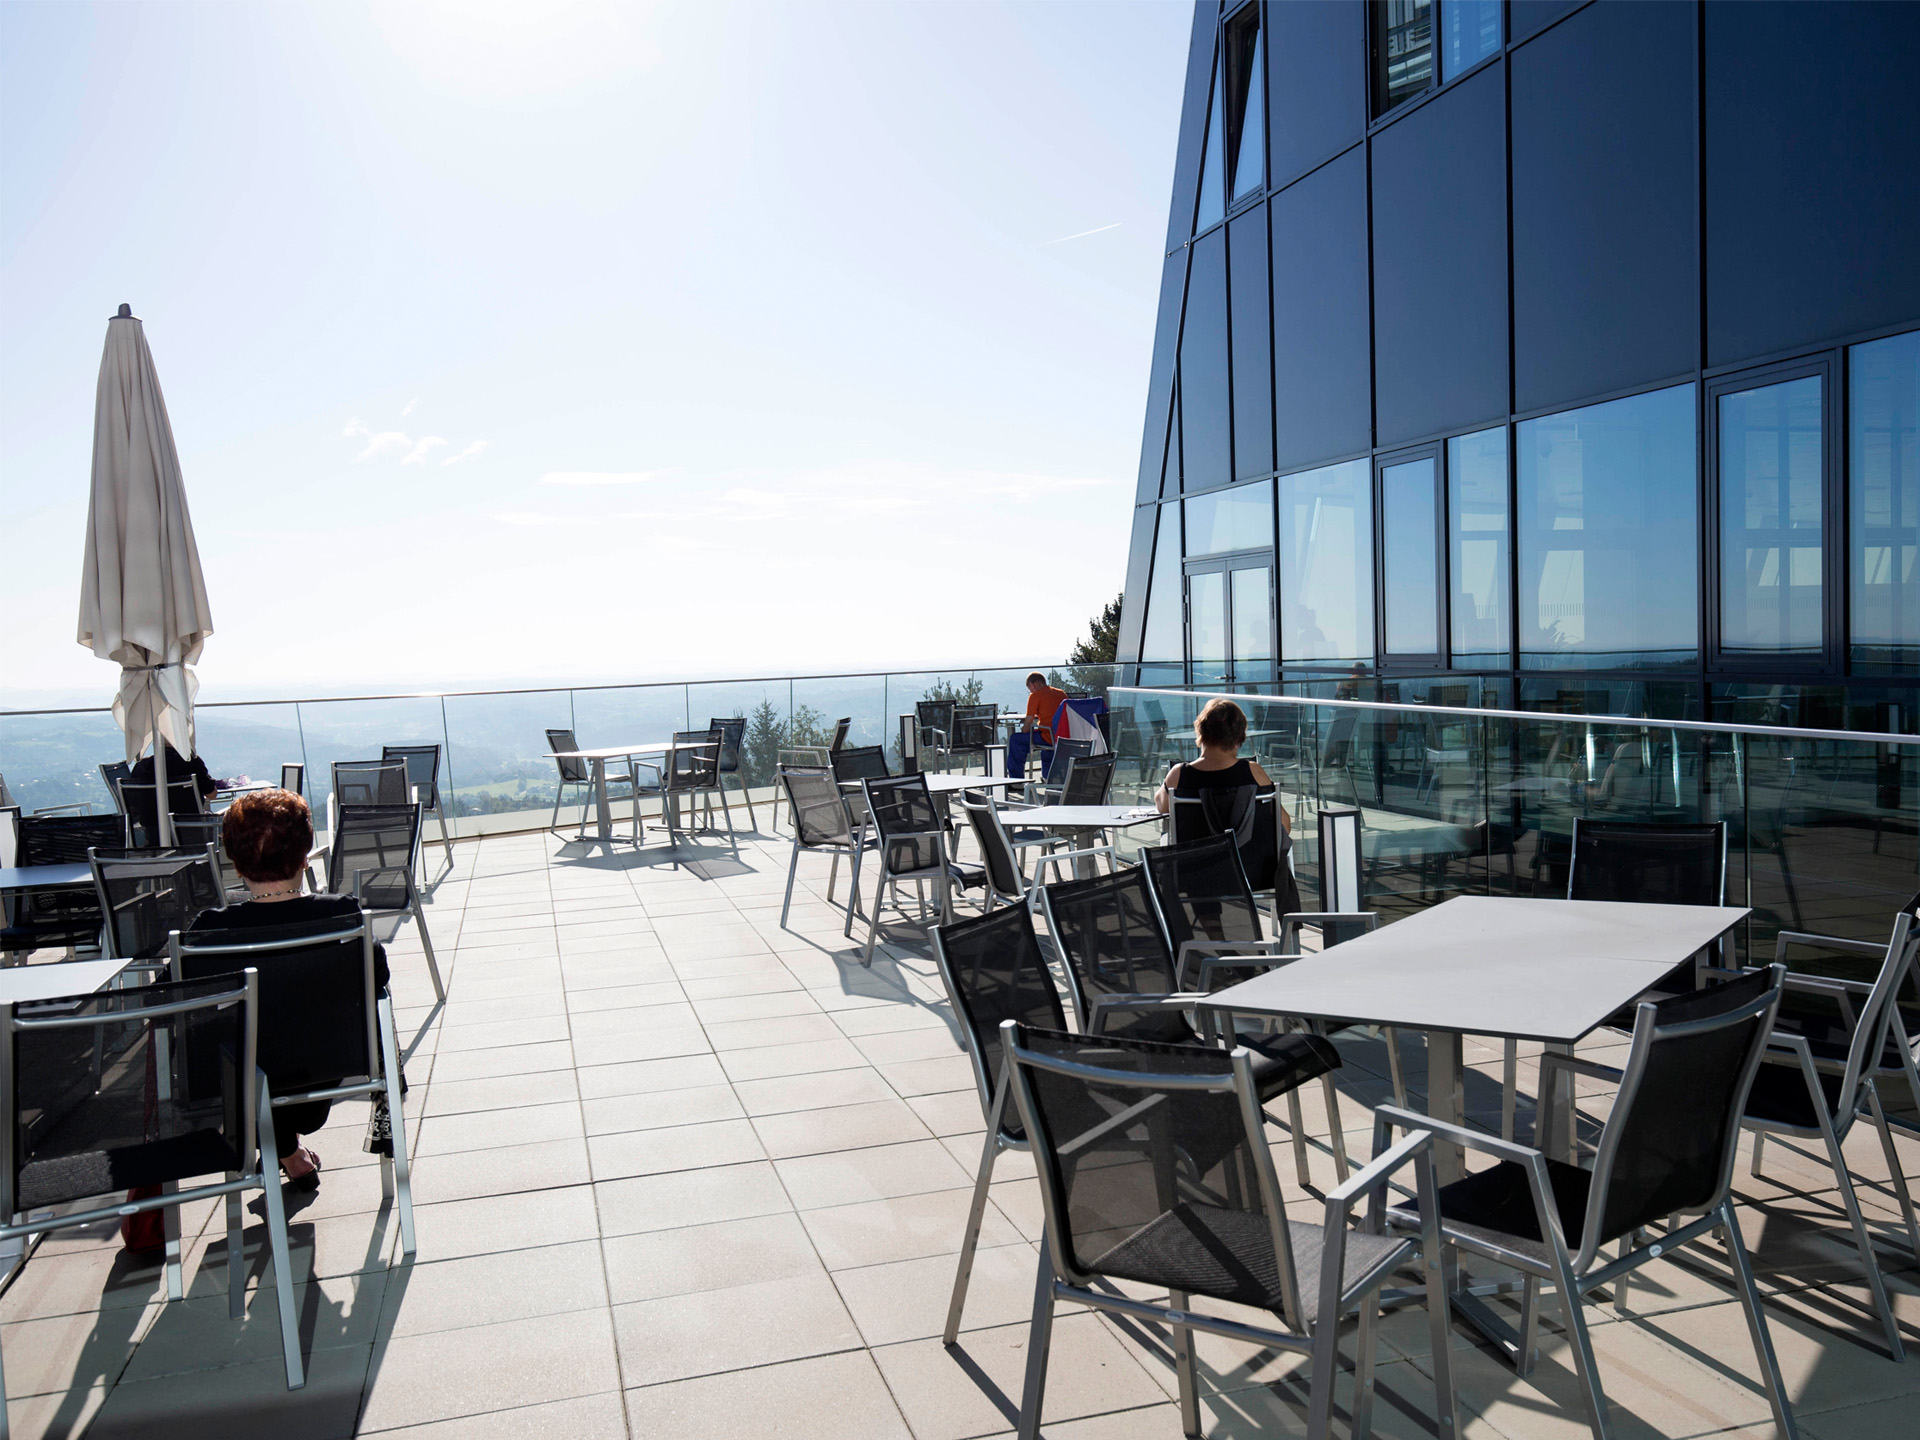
{"x":1043,"y":703}
{"x":1220,"y":731}
{"x":268,"y":835}
{"x":140,"y":806}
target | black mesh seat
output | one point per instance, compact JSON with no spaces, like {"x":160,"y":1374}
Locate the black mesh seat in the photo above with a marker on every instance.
{"x":423,"y":775}
{"x":370,"y":857}
{"x":1060,"y":760}
{"x":1250,"y":816}
{"x":1153,"y":1169}
{"x":1089,"y":779}
{"x":975,"y":729}
{"x":67,"y":918}
{"x":933,"y":729}
{"x":689,"y":771}
{"x":371,"y":782}
{"x":820,"y":826}
{"x":146,"y":893}
{"x":1664,"y":1157}
{"x":111,"y":775}
{"x":913,"y":845}
{"x":111,"y":1091}
{"x":733,"y":742}
{"x":141,"y":812}
{"x":1124,"y":981}
{"x":840,"y":729}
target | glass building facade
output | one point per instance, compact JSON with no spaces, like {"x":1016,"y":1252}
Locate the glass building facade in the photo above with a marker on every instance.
{"x":1540,"y":352}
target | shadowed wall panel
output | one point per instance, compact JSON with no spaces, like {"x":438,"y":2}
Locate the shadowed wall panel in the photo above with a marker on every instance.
{"x":1317,"y":95}
{"x":1322,"y":381}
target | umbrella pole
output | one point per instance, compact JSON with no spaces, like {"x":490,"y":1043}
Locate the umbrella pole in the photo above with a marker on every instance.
{"x":161,"y":797}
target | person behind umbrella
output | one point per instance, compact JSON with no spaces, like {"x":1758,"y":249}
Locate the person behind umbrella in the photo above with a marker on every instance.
{"x":140,"y":805}
{"x":268,"y":835}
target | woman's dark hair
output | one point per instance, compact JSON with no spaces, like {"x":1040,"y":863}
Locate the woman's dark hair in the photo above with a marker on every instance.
{"x":268,"y":834}
{"x":1222,"y":725}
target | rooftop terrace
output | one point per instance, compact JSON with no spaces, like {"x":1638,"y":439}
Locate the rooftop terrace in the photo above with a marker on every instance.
{"x":680,"y":1171}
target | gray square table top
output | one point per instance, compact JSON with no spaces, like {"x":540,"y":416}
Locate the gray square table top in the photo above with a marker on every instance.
{"x":615,"y":752}
{"x":1084,"y":817}
{"x":1548,"y":970}
{"x":45,"y":877}
{"x":20,"y":984}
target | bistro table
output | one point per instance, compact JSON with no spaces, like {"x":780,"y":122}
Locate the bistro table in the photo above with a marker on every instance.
{"x":597,"y":775}
{"x":24,"y":984}
{"x":954,"y":784}
{"x":1082,"y":823}
{"x":1544,"y":970}
{"x":45,"y":877}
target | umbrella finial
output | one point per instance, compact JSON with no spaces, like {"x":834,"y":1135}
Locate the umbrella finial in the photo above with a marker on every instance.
{"x":126,"y":312}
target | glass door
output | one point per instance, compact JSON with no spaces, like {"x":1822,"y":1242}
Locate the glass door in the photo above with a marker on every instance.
{"x":1230,"y":620}
{"x":1207,"y":626}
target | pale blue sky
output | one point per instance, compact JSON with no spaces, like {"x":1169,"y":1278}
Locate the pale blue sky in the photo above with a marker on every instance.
{"x":511,"y":341}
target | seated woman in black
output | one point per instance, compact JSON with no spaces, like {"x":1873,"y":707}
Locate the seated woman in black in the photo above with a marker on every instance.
{"x":1220,"y":731}
{"x":268,"y":835}
{"x":183,"y":778}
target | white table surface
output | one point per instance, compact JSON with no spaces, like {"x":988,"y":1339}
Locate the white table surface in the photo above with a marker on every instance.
{"x":615,"y":752}
{"x":20,"y":984}
{"x":1083,"y":817}
{"x":48,"y":877}
{"x":1547,"y":970}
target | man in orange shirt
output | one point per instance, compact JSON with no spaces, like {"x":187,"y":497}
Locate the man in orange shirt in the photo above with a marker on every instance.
{"x":1043,"y":703}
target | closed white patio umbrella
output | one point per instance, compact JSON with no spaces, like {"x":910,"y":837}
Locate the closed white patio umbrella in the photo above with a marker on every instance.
{"x":143,"y":600}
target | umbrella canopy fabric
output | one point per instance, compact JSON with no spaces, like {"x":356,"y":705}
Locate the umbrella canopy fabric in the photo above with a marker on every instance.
{"x":143,"y":600}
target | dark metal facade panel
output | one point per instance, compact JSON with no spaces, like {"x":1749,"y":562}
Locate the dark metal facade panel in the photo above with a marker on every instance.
{"x":1530,"y":17}
{"x":1812,"y":173}
{"x":1440,"y":263}
{"x":1166,"y":333}
{"x":1193,"y":123}
{"x":1206,"y":430}
{"x":1133,"y":607}
{"x":1606,"y":270}
{"x":1321,"y":352}
{"x":1317,"y":83}
{"x":1247,"y":261}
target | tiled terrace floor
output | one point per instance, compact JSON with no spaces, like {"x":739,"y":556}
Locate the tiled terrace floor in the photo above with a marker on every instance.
{"x":683,"y":1173}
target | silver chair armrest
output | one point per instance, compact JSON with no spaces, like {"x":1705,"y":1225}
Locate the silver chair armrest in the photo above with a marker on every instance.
{"x":1109,"y":1004}
{"x":1841,"y":990}
{"x":1371,"y":1179}
{"x":1054,"y":857}
{"x":1825,"y":942}
{"x":1387,"y":1118}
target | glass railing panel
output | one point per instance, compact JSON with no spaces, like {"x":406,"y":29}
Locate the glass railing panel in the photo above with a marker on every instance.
{"x":823,"y":700}
{"x":905,"y":689}
{"x":498,"y":750}
{"x":251,"y":742}
{"x":54,"y":759}
{"x":337,"y":730}
{"x":630,"y":715}
{"x":766,"y":707}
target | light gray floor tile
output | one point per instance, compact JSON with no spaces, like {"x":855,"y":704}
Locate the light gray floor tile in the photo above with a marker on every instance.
{"x":658,"y":1263}
{"x":851,"y":1176}
{"x":422,"y":1297}
{"x":834,"y":1397}
{"x":786,"y":1093}
{"x":674,"y":1147}
{"x":590,"y":1417}
{"x":436,"y":1376}
{"x":495,"y":1223}
{"x":661,"y":1108}
{"x":846,"y":1127}
{"x":703,"y":1332}
{"x":908,"y":1227}
{"x":689,"y":1197}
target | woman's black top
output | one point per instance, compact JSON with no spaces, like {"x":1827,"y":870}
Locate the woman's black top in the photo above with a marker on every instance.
{"x":315,"y":910}
{"x":1193,"y":779}
{"x":180,"y":799}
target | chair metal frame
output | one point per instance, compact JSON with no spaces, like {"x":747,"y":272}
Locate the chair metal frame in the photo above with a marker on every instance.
{"x":942,"y":872}
{"x":296,"y":771}
{"x":580,"y":772}
{"x":998,"y":846}
{"x":72,"y":936}
{"x":729,"y":728}
{"x":256,"y":1133}
{"x":427,"y":789}
{"x":1577,"y":1270}
{"x":933,"y":729}
{"x":378,"y":817}
{"x":383,"y":1044}
{"x":149,"y":862}
{"x":1059,"y":1278}
{"x":111,"y":774}
{"x":855,"y":844}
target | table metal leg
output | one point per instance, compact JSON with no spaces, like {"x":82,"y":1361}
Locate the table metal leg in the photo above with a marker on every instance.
{"x":1446,"y":1099}
{"x":602,"y":810}
{"x":1554,"y":1114}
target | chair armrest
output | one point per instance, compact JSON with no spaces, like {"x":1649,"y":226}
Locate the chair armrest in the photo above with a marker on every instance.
{"x":1371,"y":1179}
{"x":1054,"y":857}
{"x":1841,"y":990}
{"x":1825,"y":942}
{"x":1391,"y":1117}
{"x":1108,"y":1004}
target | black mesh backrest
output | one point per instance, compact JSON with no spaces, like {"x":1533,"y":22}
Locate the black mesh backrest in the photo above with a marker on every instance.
{"x":65,"y":917}
{"x":423,"y":771}
{"x":112,"y":774}
{"x":370,"y":782}
{"x":571,"y":771}
{"x":975,"y":726}
{"x":146,"y":893}
{"x":1112,"y":942}
{"x":91,"y":1117}
{"x":143,"y":815}
{"x":694,"y":761}
{"x":1247,"y":814}
{"x":934,"y":715}
{"x":996,"y":850}
{"x":1088,"y":781}
{"x":1203,"y":891}
{"x":908,"y":821}
{"x":733,"y":735}
{"x":1065,"y":752}
{"x":1649,"y":864}
{"x":370,"y":838}
{"x":1144,"y":1181}
{"x":994,"y":971}
{"x":860,"y":762}
{"x":316,"y":996}
{"x":840,"y":729}
{"x":819,"y":810}
{"x":1669,"y":1142}
{"x":293,"y":779}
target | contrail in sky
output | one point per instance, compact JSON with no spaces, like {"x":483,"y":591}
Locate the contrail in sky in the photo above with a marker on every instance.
{"x":1081,"y":236}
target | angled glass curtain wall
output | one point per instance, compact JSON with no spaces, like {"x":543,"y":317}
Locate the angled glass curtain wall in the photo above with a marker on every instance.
{"x":1771,"y":519}
{"x":1233,"y":161}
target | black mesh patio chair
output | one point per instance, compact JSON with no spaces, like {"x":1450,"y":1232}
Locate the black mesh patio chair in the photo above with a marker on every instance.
{"x":580,"y":773}
{"x":1059,"y":761}
{"x":423,"y":774}
{"x":68,"y":919}
{"x":1251,"y":814}
{"x":1667,"y":1152}
{"x":733,"y":739}
{"x":993,"y":971}
{"x":370,"y":857}
{"x":1124,"y":979}
{"x":850,"y":766}
{"x":690,"y":771}
{"x":975,"y":729}
{"x":933,"y":726}
{"x":1089,"y":780}
{"x":371,"y":782}
{"x":153,"y":1085}
{"x":820,"y":827}
{"x":325,"y":1030}
{"x":293,"y":778}
{"x":144,"y":894}
{"x":141,"y":816}
{"x":111,"y":775}
{"x":1000,"y":852}
{"x":911,"y":831}
{"x":840,"y":729}
{"x":1154,"y":1170}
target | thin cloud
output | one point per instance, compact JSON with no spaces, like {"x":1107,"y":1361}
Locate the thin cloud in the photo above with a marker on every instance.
{"x":426,"y":443}
{"x":525,"y":517}
{"x":383,"y":443}
{"x":603,"y":477}
{"x":407,"y":409}
{"x":1081,"y":236}
{"x":467,"y":454}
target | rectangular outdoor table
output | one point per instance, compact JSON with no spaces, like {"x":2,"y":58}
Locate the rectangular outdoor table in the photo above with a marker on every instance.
{"x":597,"y":774}
{"x":22,"y":984}
{"x":45,"y":877}
{"x":1079,"y":822}
{"x":953,"y":784}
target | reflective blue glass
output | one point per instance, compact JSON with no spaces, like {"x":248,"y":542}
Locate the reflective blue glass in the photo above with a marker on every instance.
{"x":1161,"y":638}
{"x":1477,"y":546}
{"x":1609,"y":534}
{"x":1207,"y":621}
{"x":1770,"y":463}
{"x":1213,"y":164}
{"x":1469,"y":33}
{"x":1326,"y":563}
{"x":1410,"y":557}
{"x":1236,"y":519}
{"x":1883,"y":500}
{"x":1249,"y":166}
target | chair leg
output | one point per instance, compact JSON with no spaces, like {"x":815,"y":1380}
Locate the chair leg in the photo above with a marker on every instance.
{"x":277,"y":1242}
{"x":793,"y":870}
{"x":426,"y":940}
{"x":1583,"y":1362}
{"x":1529,"y":1325}
{"x":1187,"y":1367}
{"x":446,"y":839}
{"x":744,"y":795}
{"x":833,"y":874}
{"x":1338,"y":1136}
{"x":963,"y":1272}
{"x":1362,"y":1425}
{"x":1509,"y":1088}
{"x":1864,"y":1241}
{"x":1298,"y":1125}
{"x":1393,"y":1067}
{"x":1759,"y":1143}
{"x":170,"y":1225}
{"x":1898,"y":1175}
{"x":873,"y":920}
{"x":236,"y":1259}
{"x":1756,"y":1322}
{"x":1033,"y":1394}
{"x":397,"y":1119}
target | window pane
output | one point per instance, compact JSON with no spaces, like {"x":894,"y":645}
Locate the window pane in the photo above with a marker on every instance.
{"x":1206,"y":449}
{"x":1249,"y":163}
{"x":1609,"y":534}
{"x":1403,"y":50}
{"x":1477,"y":515}
{"x":1161,"y":638}
{"x":1253,"y":624}
{"x":1326,"y":563}
{"x":1213,"y":183}
{"x":1237,"y":519}
{"x":1207,"y":604}
{"x":1469,"y":32}
{"x":1770,"y":529}
{"x":1409,"y":551}
{"x":1883,"y":501}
